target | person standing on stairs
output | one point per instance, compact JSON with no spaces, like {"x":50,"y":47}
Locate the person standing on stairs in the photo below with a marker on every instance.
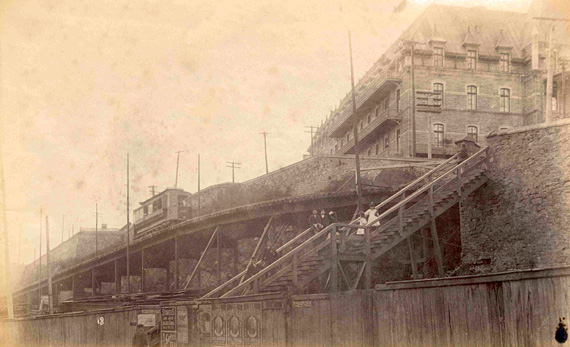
{"x":325,"y":219}
{"x":315,"y":222}
{"x":371,"y":214}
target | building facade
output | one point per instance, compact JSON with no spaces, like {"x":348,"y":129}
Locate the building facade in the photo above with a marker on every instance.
{"x":474,"y":71}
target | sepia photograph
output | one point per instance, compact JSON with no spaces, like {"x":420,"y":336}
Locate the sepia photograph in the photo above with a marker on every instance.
{"x":299,"y":173}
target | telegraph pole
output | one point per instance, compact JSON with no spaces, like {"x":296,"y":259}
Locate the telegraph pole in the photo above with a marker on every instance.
{"x":177,"y":163}
{"x":355,"y":127}
{"x":19,"y":244}
{"x":311,"y":131}
{"x":50,"y":294}
{"x":234,"y":165}
{"x":152,"y":188}
{"x":265,"y":145}
{"x":62,"y":227}
{"x":414,"y":105}
{"x":40,"y":259}
{"x":9,"y":302}
{"x":199,"y":184}
{"x":128,"y":236}
{"x":96,"y":229}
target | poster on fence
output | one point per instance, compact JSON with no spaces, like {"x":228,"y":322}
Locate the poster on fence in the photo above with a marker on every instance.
{"x":168,"y":326}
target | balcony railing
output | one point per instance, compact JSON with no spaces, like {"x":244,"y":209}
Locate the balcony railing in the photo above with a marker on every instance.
{"x":390,"y":114}
{"x":362,"y":96}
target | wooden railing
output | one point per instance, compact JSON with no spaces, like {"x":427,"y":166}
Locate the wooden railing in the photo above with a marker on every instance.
{"x":438,"y":179}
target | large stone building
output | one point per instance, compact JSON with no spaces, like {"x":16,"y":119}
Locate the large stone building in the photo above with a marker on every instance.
{"x":477,"y":70}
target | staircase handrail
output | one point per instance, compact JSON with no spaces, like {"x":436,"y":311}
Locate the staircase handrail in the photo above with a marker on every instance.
{"x":281,"y":260}
{"x":223,"y":285}
{"x":293,"y":240}
{"x":425,"y":187}
{"x":416,"y":181}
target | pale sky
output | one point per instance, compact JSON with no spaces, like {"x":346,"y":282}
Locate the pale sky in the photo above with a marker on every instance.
{"x":83,"y":83}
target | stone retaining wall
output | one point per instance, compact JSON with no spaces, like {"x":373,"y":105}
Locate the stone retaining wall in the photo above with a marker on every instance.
{"x":521,"y":218}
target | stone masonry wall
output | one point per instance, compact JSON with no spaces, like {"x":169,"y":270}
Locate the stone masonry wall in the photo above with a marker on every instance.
{"x":314,"y":175}
{"x":521,"y":218}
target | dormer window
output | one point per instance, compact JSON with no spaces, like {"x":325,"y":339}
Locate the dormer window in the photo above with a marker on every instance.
{"x":438,"y":56}
{"x":472,"y":59}
{"x":505,"y":62}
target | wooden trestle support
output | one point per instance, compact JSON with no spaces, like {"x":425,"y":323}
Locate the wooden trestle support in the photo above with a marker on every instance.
{"x":327,"y":253}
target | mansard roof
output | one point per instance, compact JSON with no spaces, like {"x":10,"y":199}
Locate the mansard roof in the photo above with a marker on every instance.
{"x":462,"y":26}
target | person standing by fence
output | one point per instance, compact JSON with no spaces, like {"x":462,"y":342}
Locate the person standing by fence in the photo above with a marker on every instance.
{"x":140,"y":338}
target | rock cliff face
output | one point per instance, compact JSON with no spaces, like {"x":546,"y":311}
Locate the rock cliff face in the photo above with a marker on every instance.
{"x":521,"y":218}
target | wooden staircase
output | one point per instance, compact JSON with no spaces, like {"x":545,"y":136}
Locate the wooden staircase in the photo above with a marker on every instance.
{"x":401,"y":215}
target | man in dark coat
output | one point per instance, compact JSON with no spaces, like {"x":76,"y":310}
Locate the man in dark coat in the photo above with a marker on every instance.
{"x":325,"y":219}
{"x":140,"y":338}
{"x":315,"y":222}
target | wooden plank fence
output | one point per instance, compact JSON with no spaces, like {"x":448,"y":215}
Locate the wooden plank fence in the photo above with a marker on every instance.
{"x":510,"y":309}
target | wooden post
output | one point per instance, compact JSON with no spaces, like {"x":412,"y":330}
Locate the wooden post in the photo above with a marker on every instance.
{"x":218,"y":263}
{"x":73,"y":287}
{"x":459,"y":183}
{"x":117,"y":280}
{"x":334,"y":261}
{"x":49,"y":286}
{"x":295,"y":273}
{"x":256,"y":250}
{"x":93,"y":281}
{"x":401,"y":220}
{"x":436,"y":249}
{"x":142,"y":270}
{"x":201,"y":257}
{"x":412,"y":260}
{"x":175,"y":263}
{"x":368,"y":266}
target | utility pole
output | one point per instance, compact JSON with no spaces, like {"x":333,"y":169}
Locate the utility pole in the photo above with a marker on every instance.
{"x":234,"y":165}
{"x":152,"y":188}
{"x":9,"y":302}
{"x":265,"y":145}
{"x":96,"y":229}
{"x":355,"y":127}
{"x":199,"y":184}
{"x":40,"y":260}
{"x":177,"y":162}
{"x":50,"y":293}
{"x":62,"y":227}
{"x":311,"y":131}
{"x":412,"y":73}
{"x":19,"y":244}
{"x":548,"y":113}
{"x":128,"y":236}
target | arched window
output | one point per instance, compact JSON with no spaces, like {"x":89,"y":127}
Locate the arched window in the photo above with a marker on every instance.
{"x":473,"y":132}
{"x":377,"y":111}
{"x":438,"y":100}
{"x":386,"y":142}
{"x":377,"y":148}
{"x":471,"y":97}
{"x":369,"y":152}
{"x":505,"y":105}
{"x":438,"y":134}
